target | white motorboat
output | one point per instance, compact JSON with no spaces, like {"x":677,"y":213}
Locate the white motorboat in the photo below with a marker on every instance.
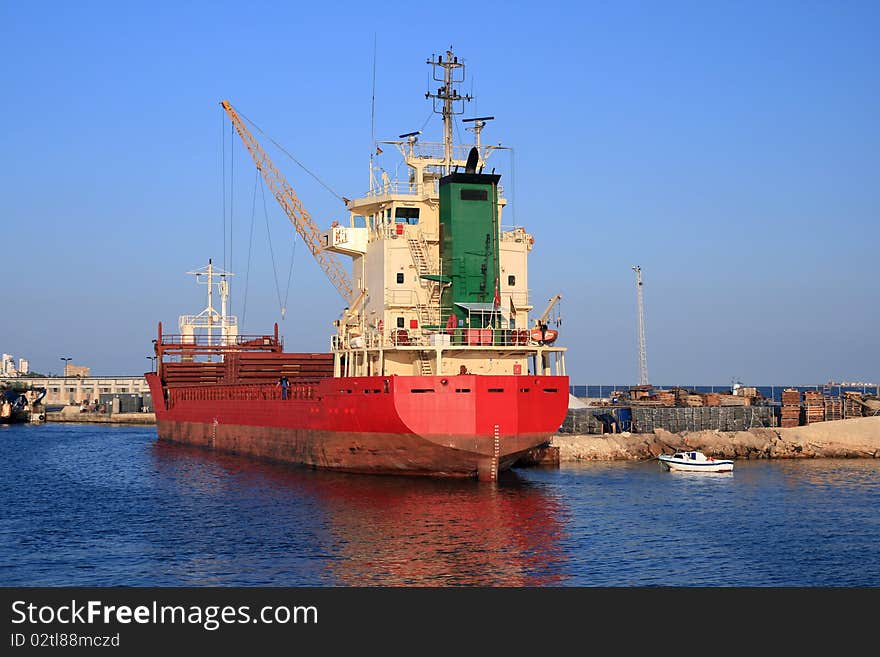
{"x":694,"y":462}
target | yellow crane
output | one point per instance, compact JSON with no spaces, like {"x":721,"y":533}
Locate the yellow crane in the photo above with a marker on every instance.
{"x":293,"y":207}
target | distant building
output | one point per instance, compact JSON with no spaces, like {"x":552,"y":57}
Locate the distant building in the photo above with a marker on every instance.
{"x":7,"y":366}
{"x":24,"y":367}
{"x":77,"y":370}
{"x":74,"y":390}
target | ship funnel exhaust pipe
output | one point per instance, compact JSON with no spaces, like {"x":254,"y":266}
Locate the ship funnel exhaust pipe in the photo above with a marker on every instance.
{"x":473,"y":159}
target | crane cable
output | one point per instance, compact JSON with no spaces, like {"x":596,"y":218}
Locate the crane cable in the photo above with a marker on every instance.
{"x":247,"y":276}
{"x":282,"y":304}
{"x":231,"y":195}
{"x":284,"y":150}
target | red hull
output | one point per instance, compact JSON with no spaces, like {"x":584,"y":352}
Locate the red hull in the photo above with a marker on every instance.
{"x":464,"y":426}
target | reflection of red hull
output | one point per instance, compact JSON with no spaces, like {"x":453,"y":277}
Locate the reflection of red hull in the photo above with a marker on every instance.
{"x":420,"y":425}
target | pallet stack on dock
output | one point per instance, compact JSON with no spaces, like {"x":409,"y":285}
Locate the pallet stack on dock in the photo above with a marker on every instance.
{"x":791,"y":408}
{"x":814,"y":406}
{"x":833,"y":408}
{"x":711,"y":399}
{"x":681,"y":396}
{"x":851,"y":404}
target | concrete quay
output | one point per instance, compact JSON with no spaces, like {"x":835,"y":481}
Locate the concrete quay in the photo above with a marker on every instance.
{"x":851,"y":438}
{"x":101,"y":418}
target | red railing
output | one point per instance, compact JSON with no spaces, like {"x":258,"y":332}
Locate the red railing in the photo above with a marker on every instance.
{"x":242,"y":392}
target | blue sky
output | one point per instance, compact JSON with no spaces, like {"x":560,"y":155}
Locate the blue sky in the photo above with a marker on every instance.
{"x":731,"y":149}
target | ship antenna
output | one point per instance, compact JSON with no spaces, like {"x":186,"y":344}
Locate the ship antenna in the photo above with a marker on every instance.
{"x":479,"y":123}
{"x":453,"y":73}
{"x":373,"y":115}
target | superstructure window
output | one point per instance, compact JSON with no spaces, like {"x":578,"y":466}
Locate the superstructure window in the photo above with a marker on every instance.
{"x":400,"y":278}
{"x":511,"y":280}
{"x":406,"y":216}
{"x":474,"y":195}
{"x":400,"y":322}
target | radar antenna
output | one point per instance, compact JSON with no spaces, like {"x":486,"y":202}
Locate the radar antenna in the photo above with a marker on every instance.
{"x":453,"y":73}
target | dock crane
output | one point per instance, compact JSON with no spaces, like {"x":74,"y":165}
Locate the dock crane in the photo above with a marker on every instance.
{"x":540,"y":333}
{"x":293,"y":207}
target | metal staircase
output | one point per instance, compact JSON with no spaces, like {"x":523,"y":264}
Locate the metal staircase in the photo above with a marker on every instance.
{"x":429,"y":313}
{"x":425,"y":364}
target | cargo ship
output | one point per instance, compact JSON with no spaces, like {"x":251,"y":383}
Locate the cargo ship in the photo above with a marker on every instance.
{"x":433,"y":368}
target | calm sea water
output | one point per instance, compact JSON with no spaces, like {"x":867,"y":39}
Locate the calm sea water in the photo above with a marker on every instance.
{"x":102,"y":506}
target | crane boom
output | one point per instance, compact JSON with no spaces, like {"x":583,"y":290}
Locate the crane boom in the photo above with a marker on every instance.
{"x":293,"y":207}
{"x":552,"y":302}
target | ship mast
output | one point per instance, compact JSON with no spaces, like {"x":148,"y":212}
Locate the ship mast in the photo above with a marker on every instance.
{"x":449,"y":95}
{"x":209,"y":319}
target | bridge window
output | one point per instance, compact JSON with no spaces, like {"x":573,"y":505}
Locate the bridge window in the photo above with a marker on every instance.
{"x":511,"y":280}
{"x":400,"y":322}
{"x":400,"y":278}
{"x":406,"y":216}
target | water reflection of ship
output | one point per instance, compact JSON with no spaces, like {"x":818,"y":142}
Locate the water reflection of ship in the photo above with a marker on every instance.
{"x":383,"y":531}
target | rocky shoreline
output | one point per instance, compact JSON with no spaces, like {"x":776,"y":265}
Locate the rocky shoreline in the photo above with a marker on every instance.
{"x":852,"y":438}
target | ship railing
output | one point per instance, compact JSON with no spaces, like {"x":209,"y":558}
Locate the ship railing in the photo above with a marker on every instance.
{"x":404,"y":188}
{"x":414,"y":337}
{"x":244,"y":392}
{"x":436,"y":150}
{"x":514,"y":234}
{"x":402,"y":298}
{"x":356,"y":341}
{"x":407,"y":188}
{"x":202,"y":340}
{"x":397,"y":230}
{"x":461,"y":337}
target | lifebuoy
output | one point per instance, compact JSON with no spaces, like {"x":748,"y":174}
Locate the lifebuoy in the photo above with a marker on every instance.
{"x":381,"y":326}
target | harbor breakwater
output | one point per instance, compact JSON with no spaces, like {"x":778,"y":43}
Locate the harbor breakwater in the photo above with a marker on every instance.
{"x":852,"y":438}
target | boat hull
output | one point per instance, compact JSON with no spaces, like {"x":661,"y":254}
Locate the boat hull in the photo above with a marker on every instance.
{"x":457,"y":426}
{"x":708,"y":466}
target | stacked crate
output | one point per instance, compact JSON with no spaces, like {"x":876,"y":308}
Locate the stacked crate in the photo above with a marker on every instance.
{"x":791,"y":408}
{"x":733,"y":400}
{"x":681,"y":395}
{"x":694,"y":400}
{"x":851,"y":405}
{"x":833,"y":408}
{"x":665,"y":397}
{"x":814,"y":406}
{"x":639,"y":392}
{"x":711,"y":399}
